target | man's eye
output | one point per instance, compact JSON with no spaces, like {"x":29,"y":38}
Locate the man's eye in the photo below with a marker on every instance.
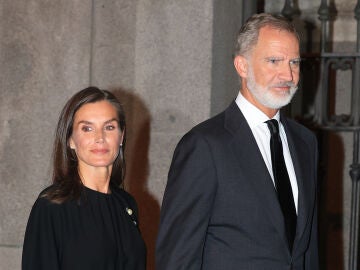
{"x":295,"y":63}
{"x":273,"y":60}
{"x":86,"y":128}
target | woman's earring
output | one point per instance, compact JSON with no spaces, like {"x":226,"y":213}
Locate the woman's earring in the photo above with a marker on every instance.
{"x":121,"y":152}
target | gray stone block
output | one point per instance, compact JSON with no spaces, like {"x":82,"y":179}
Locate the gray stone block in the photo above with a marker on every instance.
{"x":113,"y":49}
{"x":46,"y":48}
{"x":10,"y":258}
{"x":173,"y":61}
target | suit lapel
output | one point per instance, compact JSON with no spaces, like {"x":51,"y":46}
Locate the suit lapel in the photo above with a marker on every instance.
{"x":299,"y":153}
{"x":254,"y":169}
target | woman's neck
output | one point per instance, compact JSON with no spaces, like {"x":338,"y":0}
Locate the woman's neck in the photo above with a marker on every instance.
{"x":96,"y":178}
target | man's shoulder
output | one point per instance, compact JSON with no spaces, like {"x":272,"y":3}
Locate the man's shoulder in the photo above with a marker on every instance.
{"x":217,"y":120}
{"x":299,"y":129}
{"x":211,"y":126}
{"x":210,"y":131}
{"x":230,"y":114}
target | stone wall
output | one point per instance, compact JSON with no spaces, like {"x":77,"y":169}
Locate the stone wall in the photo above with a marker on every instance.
{"x":44,"y":51}
{"x":157,"y":56}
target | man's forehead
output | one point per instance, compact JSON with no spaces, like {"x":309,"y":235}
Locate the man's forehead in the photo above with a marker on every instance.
{"x":272,"y":30}
{"x":272,"y":38}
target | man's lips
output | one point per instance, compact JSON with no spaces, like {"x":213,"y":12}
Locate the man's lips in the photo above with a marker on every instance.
{"x":283,"y":85}
{"x":282,"y":88}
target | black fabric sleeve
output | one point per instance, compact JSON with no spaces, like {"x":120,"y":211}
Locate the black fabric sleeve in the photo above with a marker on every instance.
{"x":311,"y":255}
{"x":187,"y":204}
{"x":41,"y":247}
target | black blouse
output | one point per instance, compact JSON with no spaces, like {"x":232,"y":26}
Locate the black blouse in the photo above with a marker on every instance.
{"x":99,"y":232}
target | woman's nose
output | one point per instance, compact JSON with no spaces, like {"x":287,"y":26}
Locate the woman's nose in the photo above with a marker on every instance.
{"x":99,"y":137}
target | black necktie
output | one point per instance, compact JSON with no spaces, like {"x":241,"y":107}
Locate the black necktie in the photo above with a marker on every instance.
{"x":282,"y":181}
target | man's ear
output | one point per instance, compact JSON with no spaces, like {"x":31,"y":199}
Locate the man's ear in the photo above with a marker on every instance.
{"x":241,"y":66}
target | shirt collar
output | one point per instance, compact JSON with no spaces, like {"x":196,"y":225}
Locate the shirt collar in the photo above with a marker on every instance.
{"x":252,"y":114}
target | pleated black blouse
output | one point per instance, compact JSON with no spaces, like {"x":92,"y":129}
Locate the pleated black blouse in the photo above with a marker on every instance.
{"x":99,"y":232}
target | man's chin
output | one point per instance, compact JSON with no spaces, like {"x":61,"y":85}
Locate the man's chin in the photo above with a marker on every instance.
{"x":278,"y":102}
{"x":273,"y":99}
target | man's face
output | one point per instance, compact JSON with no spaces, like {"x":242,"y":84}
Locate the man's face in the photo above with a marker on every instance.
{"x":273,"y":68}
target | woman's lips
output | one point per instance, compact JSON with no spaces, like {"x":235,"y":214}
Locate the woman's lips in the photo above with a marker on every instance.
{"x":99,"y":151}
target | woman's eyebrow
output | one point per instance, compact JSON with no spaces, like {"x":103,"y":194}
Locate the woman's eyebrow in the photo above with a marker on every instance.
{"x":86,"y":122}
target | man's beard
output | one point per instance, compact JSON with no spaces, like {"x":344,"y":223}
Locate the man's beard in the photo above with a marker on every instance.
{"x":266,"y":97}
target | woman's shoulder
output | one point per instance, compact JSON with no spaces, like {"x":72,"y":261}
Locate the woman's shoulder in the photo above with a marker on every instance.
{"x":125,"y":196}
{"x":44,"y":210}
{"x":43,"y":200}
{"x":46,"y":190}
{"x":123,"y":193}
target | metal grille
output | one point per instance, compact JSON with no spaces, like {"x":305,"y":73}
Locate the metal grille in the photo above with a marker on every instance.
{"x":325,"y":65}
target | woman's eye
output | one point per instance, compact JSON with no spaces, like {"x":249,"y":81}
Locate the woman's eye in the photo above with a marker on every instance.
{"x":110,"y":127}
{"x":86,"y":128}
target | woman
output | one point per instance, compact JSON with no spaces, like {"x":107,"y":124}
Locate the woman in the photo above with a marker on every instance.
{"x":85,"y":220}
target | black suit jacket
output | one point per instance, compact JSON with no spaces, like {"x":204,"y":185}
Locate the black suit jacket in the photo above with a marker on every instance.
{"x":220,"y":209}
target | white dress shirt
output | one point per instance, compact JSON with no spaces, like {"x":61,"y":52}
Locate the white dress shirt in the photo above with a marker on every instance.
{"x":256,"y":120}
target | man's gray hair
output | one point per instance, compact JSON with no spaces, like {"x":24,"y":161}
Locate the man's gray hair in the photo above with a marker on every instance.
{"x":249,"y":32}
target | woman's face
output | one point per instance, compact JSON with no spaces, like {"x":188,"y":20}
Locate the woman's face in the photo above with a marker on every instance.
{"x":96,"y":135}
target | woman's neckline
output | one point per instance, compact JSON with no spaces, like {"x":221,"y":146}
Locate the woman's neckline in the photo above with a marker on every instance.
{"x":98,"y":192}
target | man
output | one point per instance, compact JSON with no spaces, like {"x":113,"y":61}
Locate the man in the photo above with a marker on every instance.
{"x":224,"y":206}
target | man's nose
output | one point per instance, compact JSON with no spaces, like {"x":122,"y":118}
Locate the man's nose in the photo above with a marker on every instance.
{"x":286,"y":73}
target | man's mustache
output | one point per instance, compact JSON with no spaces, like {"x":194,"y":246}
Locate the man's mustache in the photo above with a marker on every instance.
{"x":285,"y":84}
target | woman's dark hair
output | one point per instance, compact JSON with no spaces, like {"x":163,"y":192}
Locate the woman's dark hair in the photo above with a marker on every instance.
{"x":66,"y":179}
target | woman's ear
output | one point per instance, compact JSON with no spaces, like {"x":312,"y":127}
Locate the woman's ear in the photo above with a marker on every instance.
{"x":71,"y":143}
{"x":241,"y":66}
